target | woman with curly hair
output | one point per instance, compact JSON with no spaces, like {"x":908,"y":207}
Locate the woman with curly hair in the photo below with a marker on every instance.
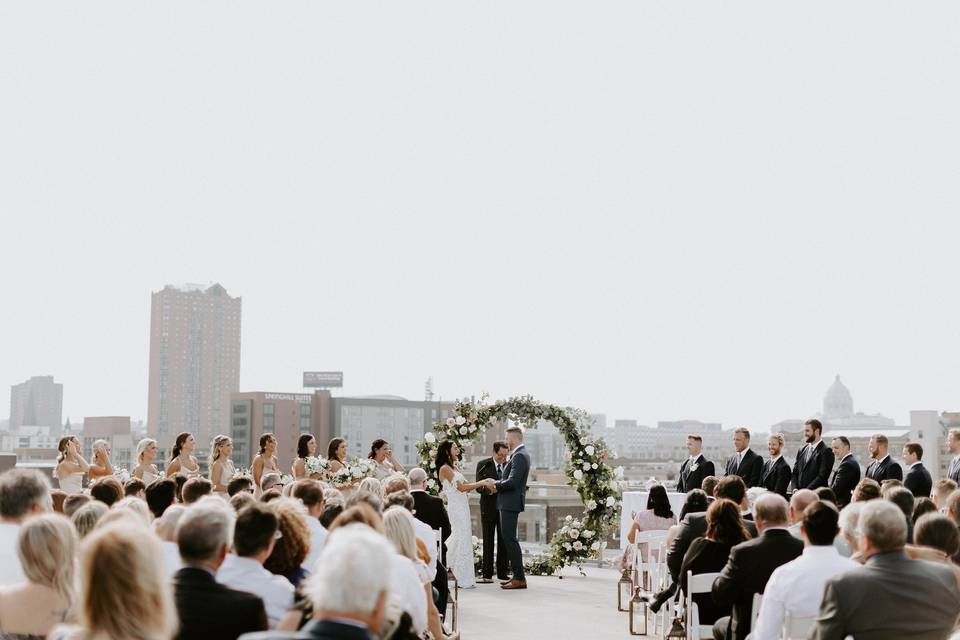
{"x":294,"y":544}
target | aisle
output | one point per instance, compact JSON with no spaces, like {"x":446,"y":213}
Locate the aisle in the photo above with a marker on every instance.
{"x":575,"y":607}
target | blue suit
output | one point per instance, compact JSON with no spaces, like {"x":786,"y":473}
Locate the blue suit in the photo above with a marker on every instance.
{"x":511,"y":500}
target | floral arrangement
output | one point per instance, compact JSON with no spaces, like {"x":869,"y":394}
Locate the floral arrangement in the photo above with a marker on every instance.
{"x":477,"y":556}
{"x":598,"y":485}
{"x":121,"y":474}
{"x":315,"y":464}
{"x":353,"y":471}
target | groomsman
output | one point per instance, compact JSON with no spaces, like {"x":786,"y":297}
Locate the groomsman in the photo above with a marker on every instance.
{"x":883,"y":466}
{"x":953,"y":444}
{"x":744,"y":463}
{"x":918,"y":479}
{"x":489,"y":516}
{"x":775,"y":476}
{"x":846,"y":475}
{"x":695,"y":468}
{"x":814,"y":459}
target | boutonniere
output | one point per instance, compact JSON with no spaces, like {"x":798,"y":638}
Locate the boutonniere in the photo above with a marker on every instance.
{"x":694,"y":466}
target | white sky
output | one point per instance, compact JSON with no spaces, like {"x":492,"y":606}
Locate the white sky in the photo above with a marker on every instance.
{"x":653,"y":210}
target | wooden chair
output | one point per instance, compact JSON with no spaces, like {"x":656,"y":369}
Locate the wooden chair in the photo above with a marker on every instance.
{"x":798,"y":627}
{"x":698,"y":583}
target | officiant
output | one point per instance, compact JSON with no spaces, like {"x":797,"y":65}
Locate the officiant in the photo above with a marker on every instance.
{"x":492,"y":468}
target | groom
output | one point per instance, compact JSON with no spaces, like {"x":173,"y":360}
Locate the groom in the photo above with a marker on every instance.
{"x":511,"y":493}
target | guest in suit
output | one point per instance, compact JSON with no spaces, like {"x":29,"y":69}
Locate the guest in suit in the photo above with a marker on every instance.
{"x":918,"y":479}
{"x":844,"y":478}
{"x":953,"y":445}
{"x":814,"y":460}
{"x":883,"y":466}
{"x":799,"y":501}
{"x":351,"y":587}
{"x":709,"y":554}
{"x":775,"y":473}
{"x":208,"y":610}
{"x":744,"y":463}
{"x":695,"y":468}
{"x":941,"y":492}
{"x":751,"y":564}
{"x":709,"y":487}
{"x":908,"y":599}
{"x":490,"y":517}
{"x":431,"y":510}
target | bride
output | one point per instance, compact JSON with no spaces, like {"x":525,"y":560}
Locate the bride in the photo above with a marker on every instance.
{"x":455,"y":488}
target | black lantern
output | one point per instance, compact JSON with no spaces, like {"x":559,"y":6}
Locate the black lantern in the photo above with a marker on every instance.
{"x":638,"y":614}
{"x":624,"y":591}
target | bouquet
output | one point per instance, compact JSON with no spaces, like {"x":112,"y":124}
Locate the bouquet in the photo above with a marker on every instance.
{"x":316,"y":464}
{"x":354,"y":471}
{"x":121,"y":474}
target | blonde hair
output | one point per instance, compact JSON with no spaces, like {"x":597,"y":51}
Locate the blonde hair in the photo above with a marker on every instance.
{"x":142,"y":446}
{"x":86,"y":517}
{"x":399,"y":531}
{"x":136,"y":506}
{"x":120,"y":516}
{"x":126,"y":592}
{"x":218,"y":442}
{"x":372,"y":485}
{"x":47,"y":552}
{"x":778,"y":437}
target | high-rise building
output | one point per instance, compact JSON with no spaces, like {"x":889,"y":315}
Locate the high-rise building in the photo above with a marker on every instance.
{"x":38,"y":402}
{"x":116,"y":431}
{"x":194,"y":363}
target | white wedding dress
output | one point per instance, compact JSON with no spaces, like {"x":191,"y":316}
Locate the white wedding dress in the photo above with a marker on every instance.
{"x":72,"y":484}
{"x":460,"y":542}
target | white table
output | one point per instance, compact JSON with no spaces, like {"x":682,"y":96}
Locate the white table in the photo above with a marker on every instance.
{"x":637,"y":501}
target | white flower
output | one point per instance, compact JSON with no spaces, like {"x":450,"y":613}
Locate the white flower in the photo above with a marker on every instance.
{"x":463,"y":431}
{"x":431,"y":482}
{"x":611,"y":501}
{"x":568,"y":518}
{"x":472,"y":428}
{"x":588,"y":534}
{"x":595,"y":545}
{"x":578,"y":545}
{"x":451,"y":422}
{"x":590,"y":450}
{"x":460,"y":420}
{"x":594,"y":465}
{"x":573,"y":533}
{"x":475,"y":540}
{"x":567,"y":546}
{"x":429,"y":438}
{"x":578,"y":474}
{"x":591,"y":505}
{"x":433,"y":453}
{"x":583,"y":440}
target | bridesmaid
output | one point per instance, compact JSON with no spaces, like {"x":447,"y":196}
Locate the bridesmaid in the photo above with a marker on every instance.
{"x":183,"y":463}
{"x":382,"y":454}
{"x":337,"y":454}
{"x":221,"y":466}
{"x":100,"y":466}
{"x":70,"y":465}
{"x":306,"y":448}
{"x":146,"y":454}
{"x":265,"y":462}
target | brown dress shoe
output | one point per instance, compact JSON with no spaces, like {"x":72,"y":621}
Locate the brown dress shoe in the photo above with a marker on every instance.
{"x":506,"y":581}
{"x":515,"y":584}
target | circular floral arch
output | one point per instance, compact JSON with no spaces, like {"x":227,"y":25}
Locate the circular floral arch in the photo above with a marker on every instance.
{"x":586,"y":470}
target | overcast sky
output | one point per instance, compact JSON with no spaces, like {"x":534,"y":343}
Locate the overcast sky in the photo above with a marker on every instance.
{"x":652,"y":210}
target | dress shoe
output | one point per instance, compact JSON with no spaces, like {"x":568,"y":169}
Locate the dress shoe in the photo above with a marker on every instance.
{"x":505,"y":580}
{"x":515,"y":584}
{"x":485,"y":581}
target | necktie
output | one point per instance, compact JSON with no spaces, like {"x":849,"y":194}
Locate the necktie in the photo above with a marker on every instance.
{"x":499,"y":471}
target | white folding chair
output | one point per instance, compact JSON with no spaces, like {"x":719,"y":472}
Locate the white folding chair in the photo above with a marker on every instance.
{"x":651,"y":539}
{"x":755,"y":609}
{"x":798,"y":627}
{"x":698,"y":583}
{"x":453,"y":601}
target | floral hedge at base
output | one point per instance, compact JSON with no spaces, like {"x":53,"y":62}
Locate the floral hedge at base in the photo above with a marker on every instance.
{"x":587,"y":471}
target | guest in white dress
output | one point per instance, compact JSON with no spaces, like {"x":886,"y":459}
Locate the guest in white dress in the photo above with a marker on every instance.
{"x":70,"y":465}
{"x":382,"y":454}
{"x":146,"y":454}
{"x":265,"y":462}
{"x":182,"y":463}
{"x":222,"y":469}
{"x":455,"y":489}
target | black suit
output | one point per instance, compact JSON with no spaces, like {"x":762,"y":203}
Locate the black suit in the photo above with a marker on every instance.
{"x":749,"y":469}
{"x":210,"y":611}
{"x":775,"y":476}
{"x":490,"y":522}
{"x":813,"y":465}
{"x":693,"y":526}
{"x":844,"y":479}
{"x":953,"y":471}
{"x":746,"y":573}
{"x":919,"y":481}
{"x":432,"y":511}
{"x":693,"y":479}
{"x":885,"y":469}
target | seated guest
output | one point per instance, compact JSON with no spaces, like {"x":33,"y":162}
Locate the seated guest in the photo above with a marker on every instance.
{"x":270,"y":481}
{"x":160,"y":494}
{"x":903,"y":498}
{"x":57,"y":498}
{"x":74,"y":502}
{"x":940,"y":536}
{"x":658,"y":516}
{"x":372,"y":485}
{"x":799,"y":501}
{"x":865,"y":490}
{"x":124,"y":590}
{"x":166,"y":529}
{"x":254,"y":536}
{"x":847,"y":543}
{"x":136,"y":488}
{"x":953,"y":506}
{"x":271,"y":494}
{"x":751,"y":564}
{"x":23,"y":493}
{"x":941,"y":491}
{"x":293,"y":545}
{"x":394,"y":484}
{"x":888,"y":484}
{"x":921,"y":507}
{"x":196,"y":488}
{"x":753,"y":493}
{"x":310,"y":493}
{"x":709,"y":487}
{"x":918,"y":480}
{"x":709,"y":554}
{"x":426,"y":539}
{"x":85,"y":518}
{"x":331,"y":509}
{"x":107,"y":490}
{"x":241,"y":500}
{"x":240,"y":484}
{"x":47,"y":552}
{"x":207,"y":609}
{"x":136,"y":506}
{"x":796,"y":588}
{"x":696,"y":502}
{"x":907,"y":598}
{"x":351,"y":588}
{"x":826,"y":494}
{"x":180,"y":479}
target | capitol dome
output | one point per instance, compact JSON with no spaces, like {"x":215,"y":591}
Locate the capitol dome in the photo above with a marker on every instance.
{"x":837,"y":403}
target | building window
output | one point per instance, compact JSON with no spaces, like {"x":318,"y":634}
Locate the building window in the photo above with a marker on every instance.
{"x":268,"y":409}
{"x":267,"y":422}
{"x":239,"y":408}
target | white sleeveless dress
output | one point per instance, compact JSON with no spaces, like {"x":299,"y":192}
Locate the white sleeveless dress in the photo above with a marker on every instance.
{"x":460,"y":542}
{"x":149,"y":476}
{"x":72,"y":484}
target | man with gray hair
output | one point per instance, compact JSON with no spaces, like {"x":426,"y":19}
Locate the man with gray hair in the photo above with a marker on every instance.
{"x":431,"y":510}
{"x":23,"y":493}
{"x":206,"y":608}
{"x":890,"y":597}
{"x":351,"y":586}
{"x":750,"y":565}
